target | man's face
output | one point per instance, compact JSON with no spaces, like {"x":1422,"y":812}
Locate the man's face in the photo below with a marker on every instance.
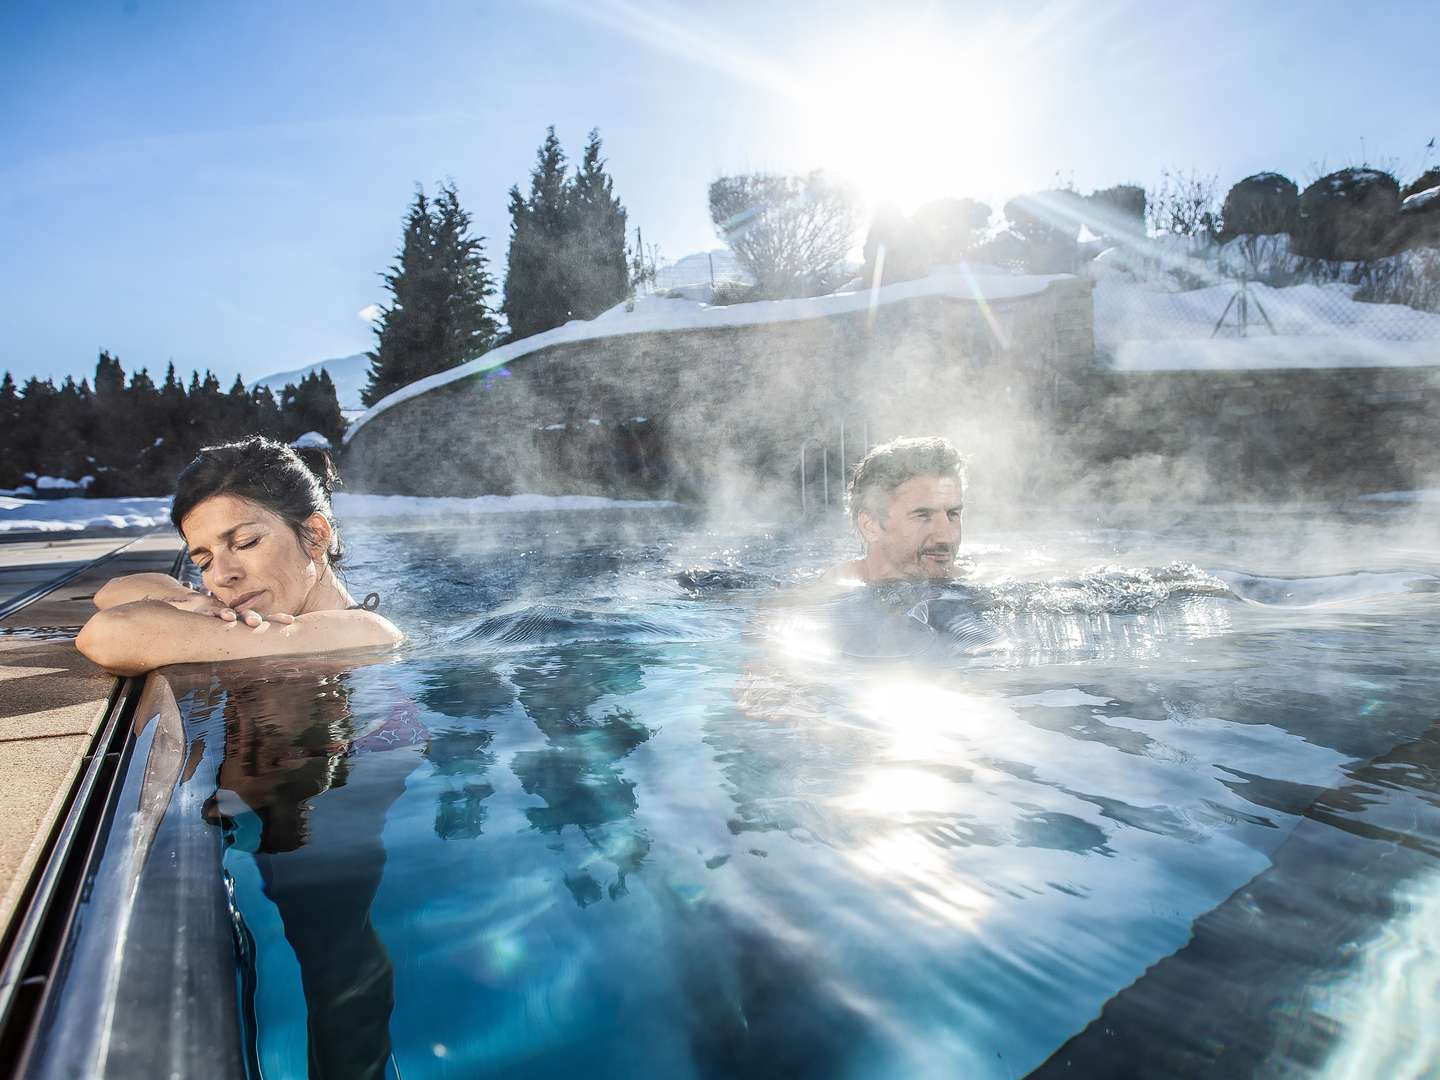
{"x":919,"y":534}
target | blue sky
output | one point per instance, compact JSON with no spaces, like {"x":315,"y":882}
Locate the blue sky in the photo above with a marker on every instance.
{"x":221,"y":184}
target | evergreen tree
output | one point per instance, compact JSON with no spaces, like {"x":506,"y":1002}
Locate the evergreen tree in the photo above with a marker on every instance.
{"x":267,"y":412}
{"x":597,"y":266}
{"x":311,"y":405}
{"x":109,"y":379}
{"x":537,"y":281}
{"x":439,"y":315}
{"x":37,"y":397}
{"x":11,"y":464}
{"x":469,"y":322}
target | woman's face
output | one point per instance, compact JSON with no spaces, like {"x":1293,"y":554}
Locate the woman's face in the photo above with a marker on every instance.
{"x":252,"y":558}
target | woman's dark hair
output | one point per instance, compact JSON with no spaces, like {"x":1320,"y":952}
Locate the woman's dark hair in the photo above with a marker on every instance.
{"x":291,"y":483}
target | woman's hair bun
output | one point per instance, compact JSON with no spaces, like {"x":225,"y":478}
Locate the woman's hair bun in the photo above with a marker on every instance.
{"x":317,"y":460}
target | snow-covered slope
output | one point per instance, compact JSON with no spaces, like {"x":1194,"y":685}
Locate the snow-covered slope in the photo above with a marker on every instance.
{"x":348,"y":373}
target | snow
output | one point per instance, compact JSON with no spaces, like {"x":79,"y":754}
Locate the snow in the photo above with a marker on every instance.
{"x":311,"y":440}
{"x":1419,"y":199}
{"x":1422,"y":495}
{"x":696,"y":269}
{"x":348,"y":373}
{"x":60,"y":483}
{"x":1260,"y":351}
{"x":73,"y":515}
{"x":654,"y":314}
{"x":378,"y":507}
{"x":1145,"y":326}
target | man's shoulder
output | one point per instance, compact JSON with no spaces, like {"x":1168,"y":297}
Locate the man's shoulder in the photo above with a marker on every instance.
{"x":845,"y":573}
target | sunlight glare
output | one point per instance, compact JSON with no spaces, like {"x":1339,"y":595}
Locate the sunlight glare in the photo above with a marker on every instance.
{"x":910,"y":119}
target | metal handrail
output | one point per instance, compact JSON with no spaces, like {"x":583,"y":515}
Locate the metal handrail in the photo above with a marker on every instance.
{"x":805,"y":445}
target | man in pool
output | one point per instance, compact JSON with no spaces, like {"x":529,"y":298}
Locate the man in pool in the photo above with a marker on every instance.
{"x":906,"y":498}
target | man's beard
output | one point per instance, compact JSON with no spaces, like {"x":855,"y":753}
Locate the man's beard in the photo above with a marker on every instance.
{"x":937,"y":561}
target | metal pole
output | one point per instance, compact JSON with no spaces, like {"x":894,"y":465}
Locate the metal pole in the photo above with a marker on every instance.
{"x":825,"y":465}
{"x":804,"y":507}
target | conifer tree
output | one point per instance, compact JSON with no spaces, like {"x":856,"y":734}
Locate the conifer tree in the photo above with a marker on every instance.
{"x":37,"y":397}
{"x":311,"y":405}
{"x":439,"y":315}
{"x":469,"y":323}
{"x":11,"y":464}
{"x":537,"y":284}
{"x":597,"y":267}
{"x":109,"y":379}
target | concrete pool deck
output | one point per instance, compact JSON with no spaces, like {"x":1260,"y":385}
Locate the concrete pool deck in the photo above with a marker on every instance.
{"x":51,"y":698}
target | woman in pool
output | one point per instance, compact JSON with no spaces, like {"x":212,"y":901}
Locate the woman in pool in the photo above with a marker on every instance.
{"x":257,"y":520}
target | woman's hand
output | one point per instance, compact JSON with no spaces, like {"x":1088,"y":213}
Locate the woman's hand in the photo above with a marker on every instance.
{"x":205,"y":604}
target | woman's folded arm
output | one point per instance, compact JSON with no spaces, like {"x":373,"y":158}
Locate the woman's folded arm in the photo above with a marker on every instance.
{"x":135,"y":637}
{"x":132,"y":587}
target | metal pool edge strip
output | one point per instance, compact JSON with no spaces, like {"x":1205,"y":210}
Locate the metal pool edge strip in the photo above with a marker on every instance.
{"x":34,"y":948}
{"x":31,"y":946}
{"x":45,"y":588}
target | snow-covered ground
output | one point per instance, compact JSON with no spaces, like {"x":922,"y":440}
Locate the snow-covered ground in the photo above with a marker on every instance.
{"x":376,"y":507}
{"x":655,"y":313}
{"x":73,"y":515}
{"x":1145,"y":320}
{"x":1423,"y":495}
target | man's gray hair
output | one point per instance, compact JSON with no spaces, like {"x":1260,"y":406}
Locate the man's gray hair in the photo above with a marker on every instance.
{"x":890,"y":464}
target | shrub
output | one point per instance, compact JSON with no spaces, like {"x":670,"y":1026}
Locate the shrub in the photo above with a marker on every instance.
{"x":1424,"y":182}
{"x":791,"y":232}
{"x":1349,"y":216}
{"x":903,"y":246}
{"x":1412,"y":278}
{"x":952,"y":228}
{"x":1116,"y":212}
{"x":1048,"y":223}
{"x":1260,"y":205}
{"x":1183,"y":204}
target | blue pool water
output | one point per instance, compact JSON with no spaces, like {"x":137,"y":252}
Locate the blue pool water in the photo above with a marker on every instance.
{"x":633,"y":802}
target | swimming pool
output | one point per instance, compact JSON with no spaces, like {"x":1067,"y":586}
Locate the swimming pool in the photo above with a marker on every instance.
{"x":1154,"y":800}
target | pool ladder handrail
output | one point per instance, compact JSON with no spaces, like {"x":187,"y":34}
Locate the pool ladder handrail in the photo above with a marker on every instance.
{"x":825,"y":450}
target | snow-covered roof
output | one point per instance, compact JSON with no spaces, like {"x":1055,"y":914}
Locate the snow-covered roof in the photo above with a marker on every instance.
{"x":658,"y":314}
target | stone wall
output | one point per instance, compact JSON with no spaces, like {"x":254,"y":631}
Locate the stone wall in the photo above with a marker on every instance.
{"x":1198,"y":435}
{"x":697,"y":414}
{"x":676,"y":413}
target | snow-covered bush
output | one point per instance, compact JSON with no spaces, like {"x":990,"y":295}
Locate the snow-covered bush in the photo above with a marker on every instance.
{"x":1411,"y":278}
{"x":1264,"y":204}
{"x":1419,"y":225}
{"x":1430,"y":178}
{"x":1348,"y":216}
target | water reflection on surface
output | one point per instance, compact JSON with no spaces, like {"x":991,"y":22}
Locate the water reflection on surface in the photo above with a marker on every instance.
{"x":628,"y":823}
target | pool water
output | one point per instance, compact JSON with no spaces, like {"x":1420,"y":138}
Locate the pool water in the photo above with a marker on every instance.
{"x":634,"y":801}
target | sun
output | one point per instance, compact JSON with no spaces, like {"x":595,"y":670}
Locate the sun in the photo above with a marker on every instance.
{"x":908,"y":119}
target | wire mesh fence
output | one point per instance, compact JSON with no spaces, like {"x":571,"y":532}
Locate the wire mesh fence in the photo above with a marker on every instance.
{"x":1255,"y":305}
